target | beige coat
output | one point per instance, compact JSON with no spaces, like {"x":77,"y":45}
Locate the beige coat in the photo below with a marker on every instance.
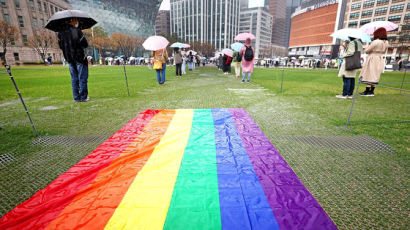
{"x":160,"y":55}
{"x":347,"y":53}
{"x":374,"y":64}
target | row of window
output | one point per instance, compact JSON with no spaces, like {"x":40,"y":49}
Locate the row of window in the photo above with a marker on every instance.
{"x":394,"y":18}
{"x":32,"y":3}
{"x":17,"y":56}
{"x":393,"y":9}
{"x":21,"y":21}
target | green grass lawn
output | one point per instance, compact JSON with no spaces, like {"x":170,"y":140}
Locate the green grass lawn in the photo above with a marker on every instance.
{"x":357,"y":188}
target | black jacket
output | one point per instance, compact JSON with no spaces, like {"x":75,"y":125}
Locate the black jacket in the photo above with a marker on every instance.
{"x":73,"y":43}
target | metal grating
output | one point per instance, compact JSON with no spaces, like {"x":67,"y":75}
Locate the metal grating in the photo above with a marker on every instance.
{"x":6,"y":159}
{"x":68,"y":141}
{"x":347,"y":143}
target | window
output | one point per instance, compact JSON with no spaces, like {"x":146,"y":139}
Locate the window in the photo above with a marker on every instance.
{"x":396,"y":8}
{"x":52,"y":9}
{"x":17,"y":3}
{"x":367,"y":13}
{"x":21,"y":21}
{"x":380,"y":19}
{"x":352,"y":24}
{"x":407,"y":16}
{"x":42,"y":22}
{"x":7,"y":18}
{"x":356,"y":6}
{"x":381,"y":11}
{"x":25,"y":41}
{"x":35,"y":23}
{"x":31,"y":2}
{"x":39,"y":6}
{"x":391,"y":38}
{"x":3,"y":3}
{"x":354,"y":15}
{"x":362,"y":22}
{"x":12,"y":42}
{"x":16,"y":56}
{"x":380,"y":2}
{"x":45,"y":7}
{"x":368,"y":3}
{"x":395,"y":18}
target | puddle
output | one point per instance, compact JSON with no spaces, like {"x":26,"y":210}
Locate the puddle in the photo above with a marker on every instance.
{"x":47,"y":108}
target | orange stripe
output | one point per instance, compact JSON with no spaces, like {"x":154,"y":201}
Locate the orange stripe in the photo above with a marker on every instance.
{"x":93,"y":206}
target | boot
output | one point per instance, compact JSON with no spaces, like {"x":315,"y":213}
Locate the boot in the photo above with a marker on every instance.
{"x":366,"y":92}
{"x":371,"y":93}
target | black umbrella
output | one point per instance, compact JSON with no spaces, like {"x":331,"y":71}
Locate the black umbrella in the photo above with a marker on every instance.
{"x":59,"y":20}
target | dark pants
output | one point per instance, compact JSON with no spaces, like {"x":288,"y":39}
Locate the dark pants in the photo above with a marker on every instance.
{"x":179,"y":69}
{"x":348,"y":86}
{"x":79,"y":79}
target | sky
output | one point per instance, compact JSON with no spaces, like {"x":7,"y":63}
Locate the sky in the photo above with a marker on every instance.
{"x":256,"y":3}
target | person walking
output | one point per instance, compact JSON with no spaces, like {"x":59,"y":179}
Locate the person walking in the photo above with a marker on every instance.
{"x":178,"y":62}
{"x":237,"y":59}
{"x":190,"y":61}
{"x":349,"y":75}
{"x":220,"y":62}
{"x":374,"y":64}
{"x":73,"y":42}
{"x":248,"y":56}
{"x":162,"y":57}
{"x":227,"y":64}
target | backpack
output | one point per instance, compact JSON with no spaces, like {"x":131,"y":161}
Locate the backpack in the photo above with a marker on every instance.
{"x":239,"y":58}
{"x":228,"y":60}
{"x":248,"y":53}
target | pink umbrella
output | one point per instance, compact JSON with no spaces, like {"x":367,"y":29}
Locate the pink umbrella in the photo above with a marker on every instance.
{"x":228,"y":52}
{"x":154,"y":43}
{"x":187,"y":46}
{"x":369,"y":28}
{"x":244,"y":36}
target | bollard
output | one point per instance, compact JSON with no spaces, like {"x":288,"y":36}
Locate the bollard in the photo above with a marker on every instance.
{"x":354,"y":100}
{"x":21,"y":99}
{"x":126,"y":80}
{"x":404,"y":77}
{"x":281,"y":85}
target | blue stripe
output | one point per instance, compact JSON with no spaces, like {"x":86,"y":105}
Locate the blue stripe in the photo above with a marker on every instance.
{"x":242,"y":199}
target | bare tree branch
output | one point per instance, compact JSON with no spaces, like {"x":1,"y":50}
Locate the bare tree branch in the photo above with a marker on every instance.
{"x":7,"y":34}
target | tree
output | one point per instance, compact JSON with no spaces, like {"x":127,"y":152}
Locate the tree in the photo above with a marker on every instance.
{"x":42,"y":42}
{"x":98,"y":39}
{"x":124,"y":43}
{"x":8,"y":33}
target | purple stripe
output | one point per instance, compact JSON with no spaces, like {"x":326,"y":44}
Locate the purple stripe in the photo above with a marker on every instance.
{"x":292,"y":204}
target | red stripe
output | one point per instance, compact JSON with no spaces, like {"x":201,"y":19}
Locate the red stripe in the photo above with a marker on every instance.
{"x":44,"y":206}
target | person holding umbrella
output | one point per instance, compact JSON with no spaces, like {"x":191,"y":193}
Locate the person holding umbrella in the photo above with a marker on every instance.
{"x":178,"y":62}
{"x":247,"y":52}
{"x":374,"y":65}
{"x":73,"y":42}
{"x":162,"y":57}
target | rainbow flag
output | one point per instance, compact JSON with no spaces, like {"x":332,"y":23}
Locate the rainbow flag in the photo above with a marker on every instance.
{"x":177,"y":169}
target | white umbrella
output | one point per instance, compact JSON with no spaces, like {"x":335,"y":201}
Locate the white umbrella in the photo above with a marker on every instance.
{"x":344,"y":34}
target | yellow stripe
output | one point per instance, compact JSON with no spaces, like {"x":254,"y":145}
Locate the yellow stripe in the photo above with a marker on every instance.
{"x":145,"y":205}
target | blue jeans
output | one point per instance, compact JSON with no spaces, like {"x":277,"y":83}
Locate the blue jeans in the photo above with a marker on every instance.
{"x":190,"y":65}
{"x":348,"y":86}
{"x":244,"y":74}
{"x":161,"y":74}
{"x":79,"y":79}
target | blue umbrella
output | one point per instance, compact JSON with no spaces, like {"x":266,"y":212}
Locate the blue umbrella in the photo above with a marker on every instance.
{"x":344,"y":34}
{"x":237,"y":46}
{"x":178,"y":45}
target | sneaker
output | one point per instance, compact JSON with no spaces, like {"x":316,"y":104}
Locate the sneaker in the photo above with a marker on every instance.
{"x":350,"y":97}
{"x":247,"y":81}
{"x":87,"y":99}
{"x":243,"y":81}
{"x":363,"y":93}
{"x":370,"y":95}
{"x":341,"y":96}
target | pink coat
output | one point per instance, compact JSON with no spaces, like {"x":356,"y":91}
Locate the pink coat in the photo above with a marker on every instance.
{"x":247,"y":66}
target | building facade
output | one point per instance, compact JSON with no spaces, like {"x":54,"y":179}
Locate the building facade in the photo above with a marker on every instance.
{"x":162,"y":23}
{"x":131,"y":17}
{"x":257,"y":21}
{"x":277,"y":9}
{"x":29,"y":17}
{"x":291,"y":7}
{"x":211,"y":21}
{"x":311,"y":29}
{"x":360,"y":12}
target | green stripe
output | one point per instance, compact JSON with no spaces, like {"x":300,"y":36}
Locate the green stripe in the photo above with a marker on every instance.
{"x":195,"y":200}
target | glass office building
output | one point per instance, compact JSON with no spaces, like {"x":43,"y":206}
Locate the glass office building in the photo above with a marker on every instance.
{"x":132,"y":17}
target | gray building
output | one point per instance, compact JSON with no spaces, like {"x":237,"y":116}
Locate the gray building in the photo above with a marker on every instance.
{"x":257,"y":21}
{"x":162,"y":23}
{"x":212,"y":21}
{"x":29,"y":17}
{"x":132,"y":17}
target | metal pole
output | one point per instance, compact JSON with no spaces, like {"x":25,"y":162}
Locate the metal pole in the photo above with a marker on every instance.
{"x":126,"y":79}
{"x":21,"y":99}
{"x":404,"y":76}
{"x":354,"y":100}
{"x":281,"y":85}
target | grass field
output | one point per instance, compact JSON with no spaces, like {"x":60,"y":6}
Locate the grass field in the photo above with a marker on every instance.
{"x":365,"y":186}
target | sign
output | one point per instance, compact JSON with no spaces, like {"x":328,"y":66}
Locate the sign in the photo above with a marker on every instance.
{"x":325,"y":3}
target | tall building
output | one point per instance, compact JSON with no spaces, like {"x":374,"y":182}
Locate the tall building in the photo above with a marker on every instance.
{"x":212,"y":21}
{"x":291,"y":6}
{"x":277,"y":9}
{"x":162,"y":23}
{"x":312,"y":26}
{"x":29,"y":17}
{"x":132,"y":17}
{"x":257,"y":21}
{"x":360,"y":12}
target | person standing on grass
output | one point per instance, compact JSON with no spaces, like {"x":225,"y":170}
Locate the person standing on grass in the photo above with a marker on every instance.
{"x":248,"y":56}
{"x":220,"y":62}
{"x":374,"y":65}
{"x":237,"y":59}
{"x":72,"y":42}
{"x":349,"y":75}
{"x":178,"y":62}
{"x":190,"y":60}
{"x":161,"y":56}
{"x":183,"y":67}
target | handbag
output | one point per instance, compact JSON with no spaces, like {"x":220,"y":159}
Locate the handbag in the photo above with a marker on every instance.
{"x":158,"y":64}
{"x":353,"y":62}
